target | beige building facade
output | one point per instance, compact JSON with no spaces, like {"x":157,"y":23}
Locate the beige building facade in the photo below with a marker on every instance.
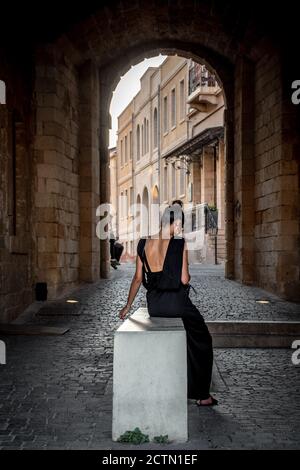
{"x":170,"y":146}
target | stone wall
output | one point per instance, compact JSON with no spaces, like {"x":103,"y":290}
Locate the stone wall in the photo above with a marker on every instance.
{"x":89,"y":171}
{"x":16,"y":277}
{"x":50,"y":188}
{"x":56,"y":167}
{"x":244,"y":266}
{"x":276,"y":185}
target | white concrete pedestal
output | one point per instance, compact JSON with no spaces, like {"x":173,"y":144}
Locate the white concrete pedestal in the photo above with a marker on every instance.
{"x":150,"y":377}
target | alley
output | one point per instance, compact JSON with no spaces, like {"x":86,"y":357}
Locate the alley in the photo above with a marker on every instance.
{"x":56,"y":391}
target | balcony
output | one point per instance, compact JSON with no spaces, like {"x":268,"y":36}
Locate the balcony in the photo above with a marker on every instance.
{"x":204,"y":89}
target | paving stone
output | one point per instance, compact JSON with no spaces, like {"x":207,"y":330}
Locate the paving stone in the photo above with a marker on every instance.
{"x":56,"y":392}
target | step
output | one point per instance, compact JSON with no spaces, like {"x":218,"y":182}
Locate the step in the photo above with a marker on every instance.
{"x":31,"y":330}
{"x":253,"y":334}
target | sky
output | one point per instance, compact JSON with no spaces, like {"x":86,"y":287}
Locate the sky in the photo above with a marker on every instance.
{"x":127,"y":88}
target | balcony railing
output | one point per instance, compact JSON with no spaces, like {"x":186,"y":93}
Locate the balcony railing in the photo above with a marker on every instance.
{"x":200,"y":76}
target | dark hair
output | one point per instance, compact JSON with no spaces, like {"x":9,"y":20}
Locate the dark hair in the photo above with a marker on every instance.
{"x":172,"y":213}
{"x":178,"y":201}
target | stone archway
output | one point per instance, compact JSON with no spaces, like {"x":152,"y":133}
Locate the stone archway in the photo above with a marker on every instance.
{"x":76,"y":70}
{"x":224,"y":71}
{"x":240,"y":150}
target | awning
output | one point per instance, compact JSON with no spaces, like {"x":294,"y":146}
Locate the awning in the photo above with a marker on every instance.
{"x":194,"y":145}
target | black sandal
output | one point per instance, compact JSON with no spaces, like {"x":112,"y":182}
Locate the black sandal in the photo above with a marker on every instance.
{"x":214,"y":402}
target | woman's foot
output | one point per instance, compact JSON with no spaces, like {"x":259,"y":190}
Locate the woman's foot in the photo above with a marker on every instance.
{"x":210,"y":401}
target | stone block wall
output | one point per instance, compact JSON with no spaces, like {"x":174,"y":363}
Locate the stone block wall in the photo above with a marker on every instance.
{"x":56,"y":173}
{"x":16,"y":279}
{"x":276,"y":185}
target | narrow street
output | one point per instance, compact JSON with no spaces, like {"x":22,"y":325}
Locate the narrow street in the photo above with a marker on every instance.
{"x":56,"y":391}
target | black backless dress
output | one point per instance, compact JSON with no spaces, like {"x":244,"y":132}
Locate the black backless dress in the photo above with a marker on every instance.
{"x":167,"y":296}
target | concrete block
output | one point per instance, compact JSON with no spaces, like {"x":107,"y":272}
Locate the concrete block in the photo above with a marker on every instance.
{"x":150,"y":377}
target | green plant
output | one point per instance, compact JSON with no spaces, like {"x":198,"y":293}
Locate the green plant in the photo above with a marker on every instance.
{"x":134,"y":437}
{"x":212,"y":207}
{"x":161,"y":439}
{"x":137,"y":437}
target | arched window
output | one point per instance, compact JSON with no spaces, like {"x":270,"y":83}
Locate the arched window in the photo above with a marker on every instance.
{"x":166,"y":123}
{"x":138,"y":143}
{"x":2,"y":92}
{"x":142,"y":146}
{"x":155,"y":129}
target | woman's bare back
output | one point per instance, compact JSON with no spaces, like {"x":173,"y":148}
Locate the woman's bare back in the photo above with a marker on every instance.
{"x":156,"y":250}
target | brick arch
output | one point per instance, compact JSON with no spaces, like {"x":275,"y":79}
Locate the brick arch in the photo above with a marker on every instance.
{"x":225,"y":29}
{"x":78,"y":55}
{"x":216,"y":63}
{"x":220,"y":66}
{"x":127,"y":42}
{"x":101,"y":48}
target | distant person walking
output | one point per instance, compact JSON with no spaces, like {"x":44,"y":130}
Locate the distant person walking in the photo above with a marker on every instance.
{"x":116,"y":250}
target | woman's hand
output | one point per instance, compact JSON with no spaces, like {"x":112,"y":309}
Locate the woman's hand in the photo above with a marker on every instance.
{"x":134,"y":287}
{"x":124,"y":312}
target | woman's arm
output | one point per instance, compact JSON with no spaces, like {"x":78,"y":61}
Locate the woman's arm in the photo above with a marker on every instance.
{"x":185,"y":275}
{"x":134,"y":287}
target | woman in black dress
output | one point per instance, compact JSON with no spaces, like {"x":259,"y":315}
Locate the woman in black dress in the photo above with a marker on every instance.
{"x":162,"y":267}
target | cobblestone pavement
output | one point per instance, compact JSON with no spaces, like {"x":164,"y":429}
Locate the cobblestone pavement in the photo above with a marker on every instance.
{"x":56,"y":391}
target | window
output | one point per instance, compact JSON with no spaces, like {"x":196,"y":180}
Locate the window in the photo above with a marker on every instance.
{"x":130,"y":145}
{"x":155,"y":129}
{"x":2,"y":92}
{"x":122,"y":204}
{"x":126,"y":203}
{"x":147,"y":136}
{"x":122,"y":153}
{"x":182,"y":100}
{"x":131,"y":200}
{"x":126,"y":155}
{"x":173,"y":181}
{"x":173,"y":107}
{"x":142,"y":148}
{"x":165,"y":183}
{"x":138,"y":143}
{"x":182,"y":180}
{"x":165,"y":114}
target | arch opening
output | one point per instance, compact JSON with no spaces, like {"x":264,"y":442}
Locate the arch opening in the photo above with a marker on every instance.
{"x":197,"y":168}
